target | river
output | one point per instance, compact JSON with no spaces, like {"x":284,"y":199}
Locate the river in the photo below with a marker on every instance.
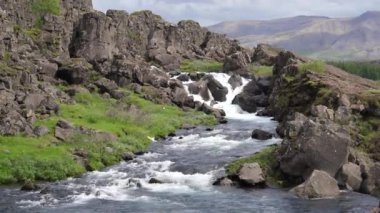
{"x":187,"y":164}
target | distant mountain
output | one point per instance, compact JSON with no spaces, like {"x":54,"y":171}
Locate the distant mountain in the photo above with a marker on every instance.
{"x":355,"y":38}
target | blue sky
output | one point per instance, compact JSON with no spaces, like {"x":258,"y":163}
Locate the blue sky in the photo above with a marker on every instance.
{"x":209,"y":12}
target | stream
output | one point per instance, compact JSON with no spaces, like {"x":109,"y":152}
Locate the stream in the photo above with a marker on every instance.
{"x":187,"y":164}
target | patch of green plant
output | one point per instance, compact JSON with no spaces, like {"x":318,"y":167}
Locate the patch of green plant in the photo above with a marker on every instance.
{"x":364,"y":69}
{"x":34,"y":33}
{"x":267,"y":161}
{"x":133,"y":120}
{"x":370,"y":136}
{"x":6,"y":69}
{"x":261,"y":71}
{"x":201,"y":66}
{"x":315,"y":66}
{"x":374,"y":91}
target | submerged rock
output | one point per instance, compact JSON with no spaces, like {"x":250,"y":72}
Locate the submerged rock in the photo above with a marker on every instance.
{"x":319,"y":185}
{"x":30,"y":186}
{"x":261,"y":134}
{"x":155,"y":181}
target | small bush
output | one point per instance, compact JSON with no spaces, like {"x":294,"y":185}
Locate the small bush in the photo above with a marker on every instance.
{"x":43,"y":7}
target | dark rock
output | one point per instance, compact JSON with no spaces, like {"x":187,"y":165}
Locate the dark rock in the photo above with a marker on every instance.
{"x":155,"y":181}
{"x":261,"y":135}
{"x":30,"y":186}
{"x":183,"y":77}
{"x":217,"y":90}
{"x":174,"y":83}
{"x":64,"y":124}
{"x":74,"y":71}
{"x":196,"y":76}
{"x":41,"y":131}
{"x":319,"y":185}
{"x":251,"y":174}
{"x":371,"y":181}
{"x":209,"y":129}
{"x":128,"y":156}
{"x":106,"y":85}
{"x":45,"y":191}
{"x":265,"y":84}
{"x":251,"y":97}
{"x":235,"y":81}
{"x":222,"y":120}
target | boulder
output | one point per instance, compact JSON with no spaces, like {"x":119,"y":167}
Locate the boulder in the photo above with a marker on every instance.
{"x":181,"y":98}
{"x":110,"y":87}
{"x":265,"y":84}
{"x":251,"y":174}
{"x":155,"y":181}
{"x":251,"y":98}
{"x":319,"y":185}
{"x":236,"y":63}
{"x":74,"y":71}
{"x":235,"y":81}
{"x":323,"y":112}
{"x":41,"y":131}
{"x":33,"y":101}
{"x":30,"y":186}
{"x":13,"y":123}
{"x":321,"y":145}
{"x":261,"y":134}
{"x":217,"y":90}
{"x":350,"y":176}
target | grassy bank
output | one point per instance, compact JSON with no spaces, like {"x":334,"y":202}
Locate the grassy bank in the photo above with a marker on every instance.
{"x":132,"y":119}
{"x":201,"y":66}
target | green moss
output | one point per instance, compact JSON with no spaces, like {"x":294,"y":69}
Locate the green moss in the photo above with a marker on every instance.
{"x":261,"y":71}
{"x":132,"y":119}
{"x":315,"y":66}
{"x":201,"y":66}
{"x":43,"y":7}
{"x":267,"y":161}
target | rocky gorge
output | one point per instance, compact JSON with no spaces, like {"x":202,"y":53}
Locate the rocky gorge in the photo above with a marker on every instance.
{"x":81,"y":90}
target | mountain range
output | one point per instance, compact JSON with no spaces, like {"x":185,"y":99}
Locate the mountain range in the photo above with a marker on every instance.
{"x":356,"y":38}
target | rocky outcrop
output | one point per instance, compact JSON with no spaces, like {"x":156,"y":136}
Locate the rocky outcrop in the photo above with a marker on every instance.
{"x":265,"y":54}
{"x":319,"y":185}
{"x":251,"y":97}
{"x":236,"y":63}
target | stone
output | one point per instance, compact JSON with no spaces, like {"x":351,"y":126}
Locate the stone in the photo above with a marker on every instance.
{"x":128,"y":156}
{"x":41,"y":131}
{"x":251,"y":174}
{"x":64,"y":124}
{"x":319,"y":185}
{"x":33,"y":101}
{"x":350,"y":176}
{"x":371,"y":179}
{"x":251,"y":97}
{"x":235,"y":81}
{"x":236,"y":63}
{"x":261,"y":135}
{"x":223,"y":181}
{"x":217,"y":90}
{"x":30,"y":186}
{"x":155,"y":181}
{"x":265,"y":84}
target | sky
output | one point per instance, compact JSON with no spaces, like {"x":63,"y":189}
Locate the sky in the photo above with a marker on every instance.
{"x":208,"y":12}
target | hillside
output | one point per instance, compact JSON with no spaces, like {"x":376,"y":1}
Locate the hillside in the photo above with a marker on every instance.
{"x":320,"y":37}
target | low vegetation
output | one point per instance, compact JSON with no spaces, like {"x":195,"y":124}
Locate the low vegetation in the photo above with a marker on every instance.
{"x":368,"y":70}
{"x":315,"y":66}
{"x":267,"y":161}
{"x":261,"y":71}
{"x":370,"y":136}
{"x":201,"y":66}
{"x":43,"y":7}
{"x":132,"y":119}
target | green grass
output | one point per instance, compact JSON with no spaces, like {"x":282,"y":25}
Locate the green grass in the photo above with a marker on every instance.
{"x":201,"y":66}
{"x":315,"y":66}
{"x":364,"y":69}
{"x":132,"y":119}
{"x":261,"y":71}
{"x":266,"y":159}
{"x":370,"y":136}
{"x":43,"y":7}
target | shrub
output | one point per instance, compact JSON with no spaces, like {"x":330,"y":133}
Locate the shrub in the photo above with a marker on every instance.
{"x":315,"y":66}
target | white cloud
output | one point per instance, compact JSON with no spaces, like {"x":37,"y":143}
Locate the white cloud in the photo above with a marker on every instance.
{"x":213,"y":11}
